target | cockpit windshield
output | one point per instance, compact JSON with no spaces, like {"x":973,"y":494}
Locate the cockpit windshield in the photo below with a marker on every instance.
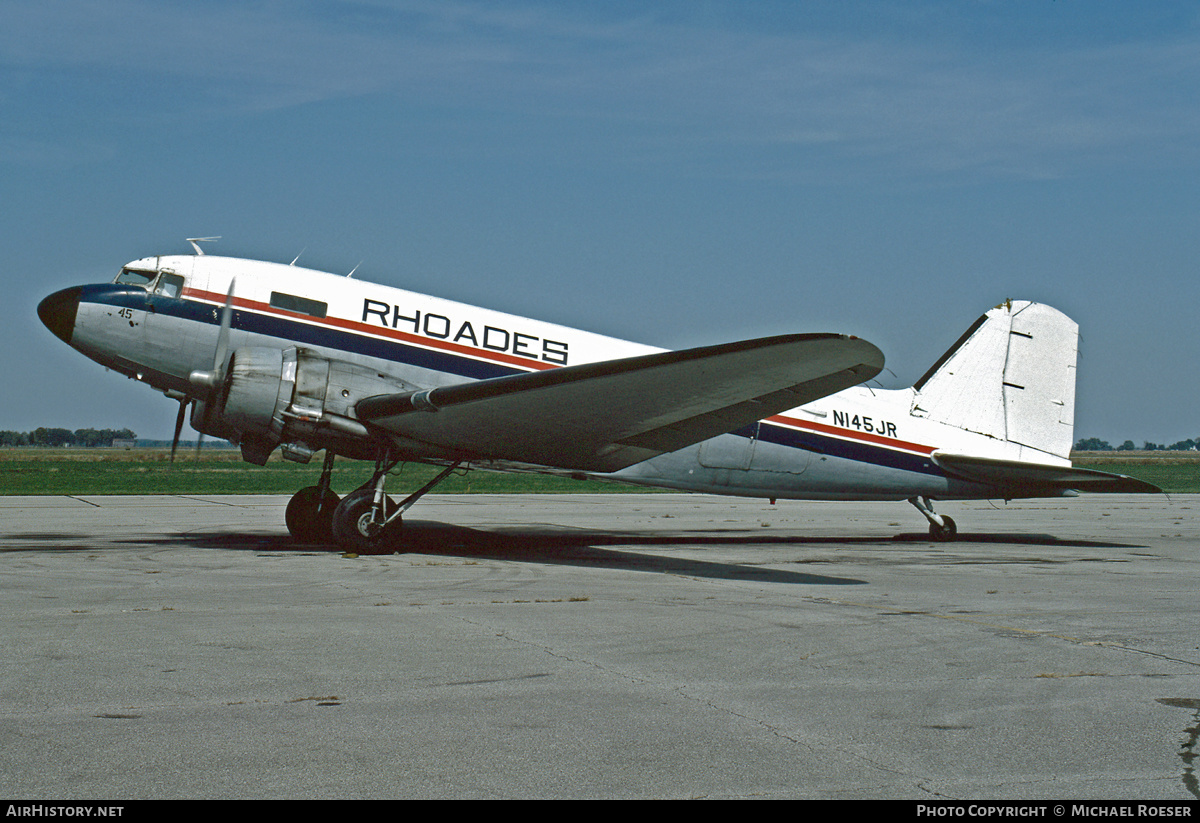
{"x":132,"y":277}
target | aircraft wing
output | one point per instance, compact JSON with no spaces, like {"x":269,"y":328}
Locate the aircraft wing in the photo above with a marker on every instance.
{"x":1034,"y":479}
{"x":606,"y":416}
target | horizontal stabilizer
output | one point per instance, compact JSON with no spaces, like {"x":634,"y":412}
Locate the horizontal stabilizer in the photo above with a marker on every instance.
{"x":606,"y":416}
{"x":1035,"y":479}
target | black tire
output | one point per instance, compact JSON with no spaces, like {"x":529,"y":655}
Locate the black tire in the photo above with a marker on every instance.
{"x":352,"y":530}
{"x":946,"y":533}
{"x":309,"y":515}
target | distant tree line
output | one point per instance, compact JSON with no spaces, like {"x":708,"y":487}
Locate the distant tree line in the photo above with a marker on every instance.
{"x":88,"y":438}
{"x":1095,"y":444}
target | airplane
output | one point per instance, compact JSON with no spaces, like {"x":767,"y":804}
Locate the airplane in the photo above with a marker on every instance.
{"x":271,"y":355}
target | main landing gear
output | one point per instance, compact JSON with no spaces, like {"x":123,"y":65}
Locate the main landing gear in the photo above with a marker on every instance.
{"x":365,"y":521}
{"x":941,"y":528}
{"x":309,"y":515}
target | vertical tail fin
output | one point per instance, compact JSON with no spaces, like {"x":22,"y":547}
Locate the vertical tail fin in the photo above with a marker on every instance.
{"x":1011,"y":377}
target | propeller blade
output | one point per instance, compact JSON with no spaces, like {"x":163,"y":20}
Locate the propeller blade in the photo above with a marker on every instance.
{"x":207,"y":383}
{"x":178,"y":426}
{"x":223,"y":334}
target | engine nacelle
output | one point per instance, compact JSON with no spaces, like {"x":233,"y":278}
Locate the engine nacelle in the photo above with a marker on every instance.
{"x":256,"y":392}
{"x":295,"y":398}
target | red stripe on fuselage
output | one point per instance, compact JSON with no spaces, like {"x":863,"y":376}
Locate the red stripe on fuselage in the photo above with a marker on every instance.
{"x":879,"y":440}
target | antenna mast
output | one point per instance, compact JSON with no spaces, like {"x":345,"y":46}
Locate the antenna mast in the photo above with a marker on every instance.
{"x":196,"y":241}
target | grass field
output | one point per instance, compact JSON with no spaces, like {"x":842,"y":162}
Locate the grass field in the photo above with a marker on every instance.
{"x":1173,"y":472}
{"x":221,"y":471}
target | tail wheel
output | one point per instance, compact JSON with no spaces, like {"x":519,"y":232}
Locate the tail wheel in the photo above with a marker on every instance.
{"x":945,"y":533}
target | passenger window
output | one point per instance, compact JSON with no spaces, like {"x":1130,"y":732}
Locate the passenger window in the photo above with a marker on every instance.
{"x":300,"y":305}
{"x":170,"y":285}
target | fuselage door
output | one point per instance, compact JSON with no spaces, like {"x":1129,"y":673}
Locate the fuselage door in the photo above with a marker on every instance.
{"x":730,"y":451}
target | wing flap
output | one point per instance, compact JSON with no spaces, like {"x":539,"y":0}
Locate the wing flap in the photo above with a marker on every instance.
{"x":1029,"y":478}
{"x":609,"y":415}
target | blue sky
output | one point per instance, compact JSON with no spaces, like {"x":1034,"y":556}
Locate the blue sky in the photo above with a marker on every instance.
{"x":677,"y":173}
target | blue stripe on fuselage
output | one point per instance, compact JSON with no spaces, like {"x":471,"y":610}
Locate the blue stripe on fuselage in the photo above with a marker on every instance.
{"x":848,"y":449}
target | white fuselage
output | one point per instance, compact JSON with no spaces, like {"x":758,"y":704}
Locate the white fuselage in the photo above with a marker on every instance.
{"x":860,"y":443}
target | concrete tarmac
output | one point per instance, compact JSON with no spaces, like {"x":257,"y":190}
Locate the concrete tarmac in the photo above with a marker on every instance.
{"x":602,"y":646}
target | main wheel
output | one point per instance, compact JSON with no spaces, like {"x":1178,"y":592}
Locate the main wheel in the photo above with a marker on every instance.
{"x":945,"y":533}
{"x":352,"y":527}
{"x":309,"y":515}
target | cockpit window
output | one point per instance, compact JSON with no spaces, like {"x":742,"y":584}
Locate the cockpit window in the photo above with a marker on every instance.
{"x":132,"y":277}
{"x":169,"y":285}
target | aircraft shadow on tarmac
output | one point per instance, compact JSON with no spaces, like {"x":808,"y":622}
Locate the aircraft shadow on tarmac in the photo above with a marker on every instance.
{"x":585,"y":548}
{"x":542,"y":543}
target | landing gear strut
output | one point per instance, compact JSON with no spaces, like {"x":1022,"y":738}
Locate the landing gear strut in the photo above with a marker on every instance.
{"x":309,"y":515}
{"x":941,"y":528}
{"x":367,"y":519}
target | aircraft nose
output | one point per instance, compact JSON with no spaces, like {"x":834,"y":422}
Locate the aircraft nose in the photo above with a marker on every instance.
{"x":58,"y":312}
